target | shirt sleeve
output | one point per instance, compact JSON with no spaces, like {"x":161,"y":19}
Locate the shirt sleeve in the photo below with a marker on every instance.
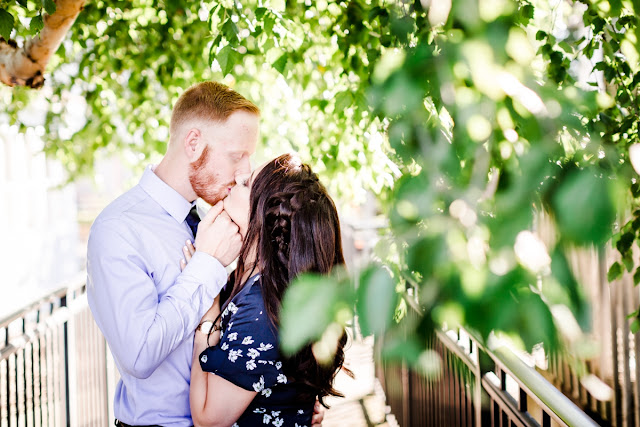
{"x":247,"y":354}
{"x":141,"y":328}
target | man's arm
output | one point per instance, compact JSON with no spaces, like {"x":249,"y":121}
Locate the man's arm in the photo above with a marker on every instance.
{"x":140,"y":328}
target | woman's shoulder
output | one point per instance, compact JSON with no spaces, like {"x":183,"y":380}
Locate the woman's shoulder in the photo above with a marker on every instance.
{"x":248,"y":302}
{"x":251,"y":294}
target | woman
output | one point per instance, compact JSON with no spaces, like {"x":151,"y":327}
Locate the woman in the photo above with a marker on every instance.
{"x":289,"y":226}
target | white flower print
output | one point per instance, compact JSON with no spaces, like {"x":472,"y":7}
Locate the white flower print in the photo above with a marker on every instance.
{"x":266,"y":419}
{"x":251,"y":365}
{"x":282,"y":378}
{"x":259,"y":411}
{"x":262,"y":362}
{"x":300,"y":412}
{"x":247,"y":340}
{"x":278,"y":365}
{"x":275,"y":413}
{"x":259,"y":385}
{"x":298,"y":425}
{"x":265,"y":347}
{"x":233,"y":336}
{"x":234,"y":354}
{"x":204,"y":358}
{"x":225,"y":346}
{"x":235,"y":425}
{"x":230,"y":325}
{"x":278,"y":422}
{"x":266,"y":392}
{"x":232,"y":307}
{"x":253,"y":353}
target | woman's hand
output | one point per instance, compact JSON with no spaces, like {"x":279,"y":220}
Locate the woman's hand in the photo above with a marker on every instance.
{"x":187,"y":250}
{"x":318,"y":415}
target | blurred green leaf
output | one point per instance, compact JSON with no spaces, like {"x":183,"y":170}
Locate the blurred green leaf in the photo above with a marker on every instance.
{"x":377,"y":301}
{"x":306,"y":311}
{"x":580,"y":218}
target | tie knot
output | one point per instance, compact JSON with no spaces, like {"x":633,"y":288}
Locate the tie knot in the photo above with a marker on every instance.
{"x":193,"y":219}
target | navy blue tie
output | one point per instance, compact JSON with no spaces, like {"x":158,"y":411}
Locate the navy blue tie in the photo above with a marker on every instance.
{"x":193,"y":219}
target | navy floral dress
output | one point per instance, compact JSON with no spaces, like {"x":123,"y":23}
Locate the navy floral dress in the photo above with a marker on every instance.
{"x":247,"y":356}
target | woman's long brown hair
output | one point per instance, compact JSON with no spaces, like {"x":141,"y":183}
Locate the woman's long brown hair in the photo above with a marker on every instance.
{"x":294,"y":226}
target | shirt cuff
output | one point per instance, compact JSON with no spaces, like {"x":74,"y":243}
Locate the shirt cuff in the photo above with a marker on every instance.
{"x":205,"y":269}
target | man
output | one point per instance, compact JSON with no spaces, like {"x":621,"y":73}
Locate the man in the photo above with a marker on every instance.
{"x":145,"y":306}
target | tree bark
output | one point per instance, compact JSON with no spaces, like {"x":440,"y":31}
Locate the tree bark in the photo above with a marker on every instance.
{"x":25,"y":66}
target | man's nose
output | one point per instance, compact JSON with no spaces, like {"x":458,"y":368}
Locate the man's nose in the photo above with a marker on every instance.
{"x":245,"y":167}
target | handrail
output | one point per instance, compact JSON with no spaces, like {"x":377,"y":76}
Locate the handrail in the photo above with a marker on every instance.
{"x":56,"y":370}
{"x":532,"y":385}
{"x":540,"y":389}
{"x":76,"y":282}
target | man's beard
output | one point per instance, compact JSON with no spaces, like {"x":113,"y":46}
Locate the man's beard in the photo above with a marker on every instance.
{"x":205,"y":185}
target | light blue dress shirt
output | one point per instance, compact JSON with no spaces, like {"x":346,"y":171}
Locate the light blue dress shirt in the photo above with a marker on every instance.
{"x":145,"y":307}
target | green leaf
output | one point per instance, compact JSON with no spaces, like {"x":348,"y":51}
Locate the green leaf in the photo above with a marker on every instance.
{"x":226,"y":59}
{"x":579,"y":218}
{"x":36,"y":24}
{"x":49,"y":6}
{"x":624,"y":243}
{"x":268,"y":23}
{"x":230,"y":31}
{"x":565,"y":277}
{"x":636,"y":277}
{"x":6,"y":24}
{"x":306,"y":311}
{"x":343,"y":101}
{"x":635,"y":326}
{"x":627,"y":260}
{"x":281,"y":63}
{"x":376,"y":301}
{"x":615,"y":272}
{"x":260,"y":12}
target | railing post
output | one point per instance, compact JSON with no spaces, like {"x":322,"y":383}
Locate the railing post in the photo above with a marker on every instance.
{"x":8,"y":374}
{"x":65,"y":334}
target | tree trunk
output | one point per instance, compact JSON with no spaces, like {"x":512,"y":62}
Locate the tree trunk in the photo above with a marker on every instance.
{"x":25,"y":66}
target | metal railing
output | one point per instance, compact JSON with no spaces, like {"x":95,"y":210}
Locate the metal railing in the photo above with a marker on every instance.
{"x":53,"y":363}
{"x":476,"y":387}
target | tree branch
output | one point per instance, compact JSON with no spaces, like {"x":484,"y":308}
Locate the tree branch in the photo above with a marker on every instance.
{"x":25,"y":66}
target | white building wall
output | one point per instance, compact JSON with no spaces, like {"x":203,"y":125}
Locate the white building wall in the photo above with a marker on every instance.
{"x":38,"y":221}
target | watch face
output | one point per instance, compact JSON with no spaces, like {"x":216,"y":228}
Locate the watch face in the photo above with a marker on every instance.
{"x":205,"y":327}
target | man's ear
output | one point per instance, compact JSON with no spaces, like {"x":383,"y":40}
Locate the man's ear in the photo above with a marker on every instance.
{"x":191,"y":140}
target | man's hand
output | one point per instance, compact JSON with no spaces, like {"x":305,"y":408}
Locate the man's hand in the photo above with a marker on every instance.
{"x":218,"y":236}
{"x":318,"y":415}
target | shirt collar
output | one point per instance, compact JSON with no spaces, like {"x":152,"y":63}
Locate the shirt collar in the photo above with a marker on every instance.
{"x":170,"y":200}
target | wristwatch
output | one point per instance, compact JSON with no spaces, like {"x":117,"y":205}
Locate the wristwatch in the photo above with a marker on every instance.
{"x":206,"y":326}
